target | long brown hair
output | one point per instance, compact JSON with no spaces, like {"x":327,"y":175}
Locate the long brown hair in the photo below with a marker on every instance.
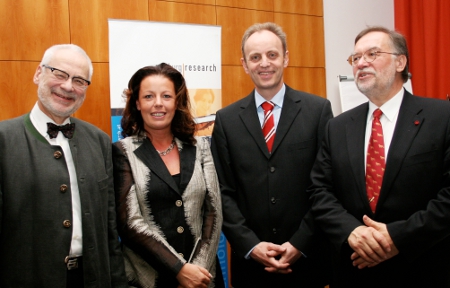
{"x":182,"y":126}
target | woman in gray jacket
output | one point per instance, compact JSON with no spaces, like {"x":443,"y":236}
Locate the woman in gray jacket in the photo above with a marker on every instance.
{"x":168,"y":200}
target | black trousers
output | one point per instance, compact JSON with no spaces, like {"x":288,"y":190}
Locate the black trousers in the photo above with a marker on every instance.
{"x":75,"y":277}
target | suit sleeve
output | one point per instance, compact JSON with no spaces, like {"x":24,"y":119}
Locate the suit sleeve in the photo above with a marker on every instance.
{"x":425,"y":228}
{"x":117,"y":269}
{"x":212,"y":210}
{"x":336,"y":222}
{"x":241,"y":237}
{"x":1,"y":201}
{"x":306,"y":235}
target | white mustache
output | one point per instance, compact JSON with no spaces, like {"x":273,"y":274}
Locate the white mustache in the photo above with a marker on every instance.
{"x":64,"y":94}
{"x":366,"y":71}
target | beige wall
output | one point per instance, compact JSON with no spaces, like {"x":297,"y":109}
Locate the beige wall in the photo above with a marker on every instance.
{"x":28,"y":28}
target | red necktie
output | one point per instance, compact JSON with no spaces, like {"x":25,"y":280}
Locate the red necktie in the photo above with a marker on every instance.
{"x":375,"y":161}
{"x":268,"y":124}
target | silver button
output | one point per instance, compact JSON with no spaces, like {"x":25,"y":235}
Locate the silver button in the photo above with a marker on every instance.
{"x":178,"y":203}
{"x":180,"y":229}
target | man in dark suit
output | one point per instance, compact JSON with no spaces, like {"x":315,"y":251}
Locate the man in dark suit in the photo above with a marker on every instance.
{"x":57,"y":207}
{"x":263,"y":185}
{"x":392,"y":228}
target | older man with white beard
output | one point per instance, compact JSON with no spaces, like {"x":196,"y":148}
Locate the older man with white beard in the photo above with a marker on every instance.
{"x":57,"y":207}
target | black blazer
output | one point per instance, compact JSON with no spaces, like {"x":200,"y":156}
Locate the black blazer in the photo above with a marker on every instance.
{"x":414,"y":200}
{"x":264,"y":195}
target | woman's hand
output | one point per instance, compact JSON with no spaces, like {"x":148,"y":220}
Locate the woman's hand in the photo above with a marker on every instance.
{"x":193,"y":276}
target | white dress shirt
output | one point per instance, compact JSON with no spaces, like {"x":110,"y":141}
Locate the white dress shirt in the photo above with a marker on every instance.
{"x":277,"y":100}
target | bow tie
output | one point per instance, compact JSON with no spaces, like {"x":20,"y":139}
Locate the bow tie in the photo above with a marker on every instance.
{"x":67,"y":130}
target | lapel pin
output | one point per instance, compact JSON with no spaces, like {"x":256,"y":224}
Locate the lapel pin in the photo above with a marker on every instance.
{"x":416,"y":122}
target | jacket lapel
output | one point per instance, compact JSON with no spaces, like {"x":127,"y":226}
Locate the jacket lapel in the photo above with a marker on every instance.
{"x":355,"y":136}
{"x":148,"y":155}
{"x":187,"y":164}
{"x":73,"y":144}
{"x":408,"y":124}
{"x":250,"y":119}
{"x":249,"y":116}
{"x":290,"y":110}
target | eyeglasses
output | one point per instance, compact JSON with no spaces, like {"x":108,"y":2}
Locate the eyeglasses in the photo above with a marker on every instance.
{"x":369,"y":56}
{"x":77,"y":82}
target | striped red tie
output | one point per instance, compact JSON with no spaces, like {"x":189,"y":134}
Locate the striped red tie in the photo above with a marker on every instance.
{"x":268,"y":127}
{"x":375,"y":161}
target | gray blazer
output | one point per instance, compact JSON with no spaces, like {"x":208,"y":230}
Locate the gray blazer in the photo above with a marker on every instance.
{"x":34,"y":204}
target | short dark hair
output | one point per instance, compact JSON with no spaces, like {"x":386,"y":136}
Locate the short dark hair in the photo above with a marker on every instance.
{"x":182,"y":126}
{"x":398,"y":42}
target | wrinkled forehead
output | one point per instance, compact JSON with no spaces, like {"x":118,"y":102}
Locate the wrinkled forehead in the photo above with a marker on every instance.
{"x":261,"y":42}
{"x":70,"y":61}
{"x":371,"y":40}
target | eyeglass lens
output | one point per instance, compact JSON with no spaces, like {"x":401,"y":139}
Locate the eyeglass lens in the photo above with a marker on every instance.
{"x":63,"y":76}
{"x":369,"y":56}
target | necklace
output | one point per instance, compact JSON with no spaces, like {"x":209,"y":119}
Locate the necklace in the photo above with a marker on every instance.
{"x":167,"y":151}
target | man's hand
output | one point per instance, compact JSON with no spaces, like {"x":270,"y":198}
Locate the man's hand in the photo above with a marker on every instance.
{"x":290,"y":256}
{"x":261,"y":254}
{"x":369,"y":244}
{"x":381,"y":229}
{"x":193,"y":276}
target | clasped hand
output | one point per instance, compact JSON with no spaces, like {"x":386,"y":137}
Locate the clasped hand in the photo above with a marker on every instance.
{"x":372,"y":244}
{"x":276,"y":258}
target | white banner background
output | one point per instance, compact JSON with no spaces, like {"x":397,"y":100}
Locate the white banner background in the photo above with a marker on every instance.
{"x":135,"y":44}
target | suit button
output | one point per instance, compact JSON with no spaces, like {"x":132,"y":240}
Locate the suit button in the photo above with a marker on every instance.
{"x":272,"y":169}
{"x":57,"y":154}
{"x":178,"y":203}
{"x":67,"y":223}
{"x":63,"y":188}
{"x":274,"y":231}
{"x":273,"y":200}
{"x":181,"y":254}
{"x":180,"y":229}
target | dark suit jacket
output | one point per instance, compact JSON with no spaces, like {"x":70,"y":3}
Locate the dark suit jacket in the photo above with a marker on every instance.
{"x":414,"y":199}
{"x":33,"y":240}
{"x":264,"y":195}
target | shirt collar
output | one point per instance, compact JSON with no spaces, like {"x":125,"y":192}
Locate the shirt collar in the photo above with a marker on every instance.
{"x":391,"y":108}
{"x":40,"y":119}
{"x":277,"y":99}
